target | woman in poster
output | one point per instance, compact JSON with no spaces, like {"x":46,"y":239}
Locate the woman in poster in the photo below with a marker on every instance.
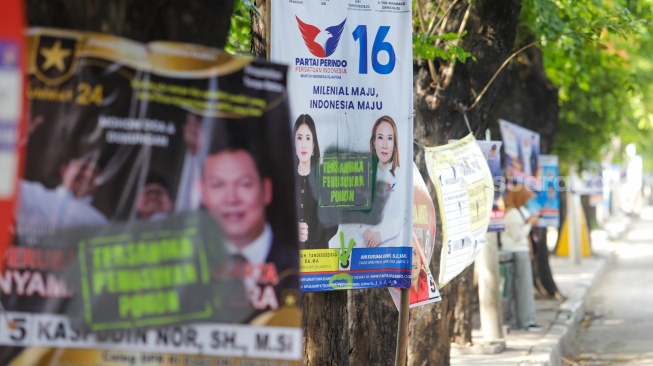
{"x":384,"y":145}
{"x":312,"y":234}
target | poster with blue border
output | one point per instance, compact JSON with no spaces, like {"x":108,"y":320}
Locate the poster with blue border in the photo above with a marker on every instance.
{"x":522,"y":149}
{"x":350,"y":92}
{"x":546,"y":203}
{"x":491,"y":150}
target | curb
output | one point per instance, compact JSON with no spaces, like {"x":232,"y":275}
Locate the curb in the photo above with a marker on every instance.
{"x":552,"y":348}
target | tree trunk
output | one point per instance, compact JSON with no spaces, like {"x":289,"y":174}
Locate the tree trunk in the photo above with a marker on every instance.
{"x":491,"y":31}
{"x":528,"y":98}
{"x":462,"y":327}
{"x":342,"y":327}
{"x":542,"y":275}
{"x":259,"y":32}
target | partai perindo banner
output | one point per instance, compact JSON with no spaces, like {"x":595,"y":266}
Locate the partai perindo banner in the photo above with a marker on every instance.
{"x":350,"y":84}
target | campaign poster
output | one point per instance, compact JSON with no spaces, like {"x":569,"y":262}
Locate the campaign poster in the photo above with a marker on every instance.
{"x":350,"y":83}
{"x":546,"y":203}
{"x":591,"y":185}
{"x":465,"y":191}
{"x":11,"y":110}
{"x":423,"y":289}
{"x":492,"y":152}
{"x":156,"y":216}
{"x":522,"y":149}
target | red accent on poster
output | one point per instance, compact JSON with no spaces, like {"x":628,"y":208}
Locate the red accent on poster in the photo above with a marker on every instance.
{"x":12,"y":116}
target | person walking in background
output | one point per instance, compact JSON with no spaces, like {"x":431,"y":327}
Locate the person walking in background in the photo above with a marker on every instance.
{"x":515,"y":239}
{"x":312,"y":233}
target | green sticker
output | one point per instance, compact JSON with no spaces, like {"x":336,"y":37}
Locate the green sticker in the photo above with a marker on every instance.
{"x":349,"y":281}
{"x":344,"y":254}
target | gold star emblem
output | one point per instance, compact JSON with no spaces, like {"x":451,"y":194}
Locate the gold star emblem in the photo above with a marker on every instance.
{"x":290,"y":300}
{"x":54,"y":56}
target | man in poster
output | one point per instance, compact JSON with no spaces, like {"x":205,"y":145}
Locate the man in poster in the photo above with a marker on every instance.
{"x":42,"y":210}
{"x":236,"y":191}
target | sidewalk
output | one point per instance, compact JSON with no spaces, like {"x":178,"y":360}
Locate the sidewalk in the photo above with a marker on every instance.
{"x":559,"y":320}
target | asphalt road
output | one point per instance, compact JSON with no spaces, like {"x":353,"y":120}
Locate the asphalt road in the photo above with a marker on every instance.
{"x":618,"y":328}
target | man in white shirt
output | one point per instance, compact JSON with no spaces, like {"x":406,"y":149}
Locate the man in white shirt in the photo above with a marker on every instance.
{"x":42,"y":210}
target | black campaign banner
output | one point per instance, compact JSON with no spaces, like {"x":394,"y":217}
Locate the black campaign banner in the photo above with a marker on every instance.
{"x":158,"y":191}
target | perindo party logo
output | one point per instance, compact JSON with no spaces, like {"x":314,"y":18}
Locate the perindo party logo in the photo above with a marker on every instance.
{"x":321,"y":43}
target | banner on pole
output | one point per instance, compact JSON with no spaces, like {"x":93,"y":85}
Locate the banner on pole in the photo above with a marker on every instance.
{"x":546,"y":203}
{"x":465,"y":192}
{"x":12,"y":107}
{"x":423,"y":289}
{"x":350,"y":83}
{"x":491,"y":151}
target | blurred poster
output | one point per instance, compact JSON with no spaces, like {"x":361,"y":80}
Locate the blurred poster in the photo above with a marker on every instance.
{"x":156,"y":213}
{"x":423,"y":289}
{"x":350,"y":80}
{"x":12,"y":86}
{"x":465,"y":190}
{"x":631,"y":188}
{"x":546,"y":203}
{"x":592,"y":186}
{"x":491,"y":151}
{"x":522,"y":149}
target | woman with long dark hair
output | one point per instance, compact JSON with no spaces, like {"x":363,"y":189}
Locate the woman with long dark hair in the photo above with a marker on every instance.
{"x":312,"y":234}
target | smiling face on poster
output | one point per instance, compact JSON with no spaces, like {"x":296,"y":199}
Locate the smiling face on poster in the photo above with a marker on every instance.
{"x":351,"y":76}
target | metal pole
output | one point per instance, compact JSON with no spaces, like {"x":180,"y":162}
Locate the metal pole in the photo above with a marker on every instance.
{"x":402,"y":328}
{"x":572,"y":221}
{"x":489,"y":295}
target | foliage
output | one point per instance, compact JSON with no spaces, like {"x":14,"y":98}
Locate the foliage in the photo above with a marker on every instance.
{"x":445,"y":47}
{"x":430,"y":41}
{"x":591,"y":51}
{"x":240,"y":34}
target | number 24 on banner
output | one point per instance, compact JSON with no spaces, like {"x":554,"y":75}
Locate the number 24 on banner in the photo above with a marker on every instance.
{"x":360,"y":34}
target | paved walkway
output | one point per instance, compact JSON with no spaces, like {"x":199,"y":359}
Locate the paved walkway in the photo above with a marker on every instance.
{"x":559,"y":319}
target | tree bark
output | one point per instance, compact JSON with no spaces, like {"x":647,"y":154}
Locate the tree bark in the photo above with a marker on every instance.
{"x":542,"y":276}
{"x":342,"y":327}
{"x":491,"y":31}
{"x":462,"y":327}
{"x":259,"y":31}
